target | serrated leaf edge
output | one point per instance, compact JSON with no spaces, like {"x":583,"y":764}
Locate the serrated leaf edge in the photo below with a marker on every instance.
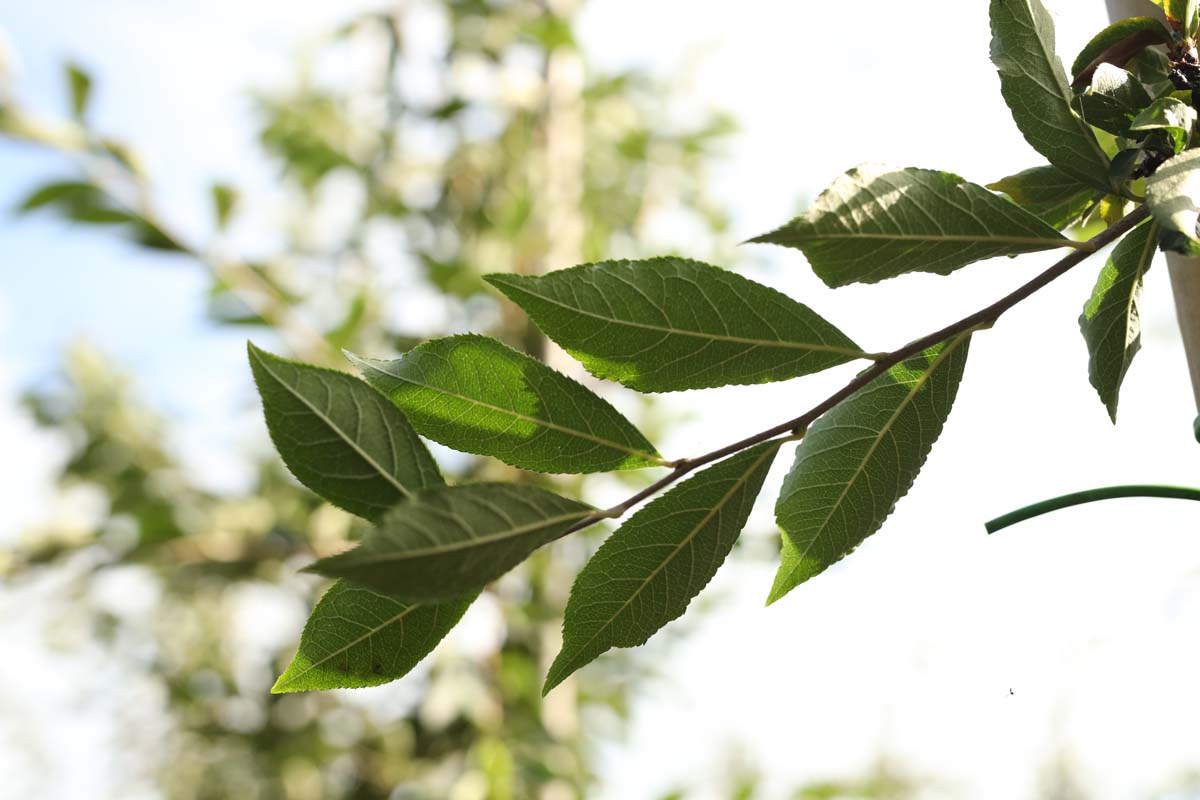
{"x":950,"y":348}
{"x":737,"y":486}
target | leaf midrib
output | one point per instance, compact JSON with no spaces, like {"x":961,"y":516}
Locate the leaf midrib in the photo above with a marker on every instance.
{"x":657,"y":460}
{"x":887,"y":427}
{"x":738,"y":484}
{"x":404,"y":491}
{"x":406,"y":555}
{"x":820,"y":348}
{"x":1049,"y":59}
{"x":1060,"y":241}
{"x":370,"y":632}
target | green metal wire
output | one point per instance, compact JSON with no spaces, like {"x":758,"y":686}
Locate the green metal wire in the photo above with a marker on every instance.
{"x":1091,"y":496}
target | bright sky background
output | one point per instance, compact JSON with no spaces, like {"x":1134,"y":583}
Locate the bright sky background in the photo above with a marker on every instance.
{"x":971,"y":660}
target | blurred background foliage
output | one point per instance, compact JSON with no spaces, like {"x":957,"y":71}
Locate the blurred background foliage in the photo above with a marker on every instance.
{"x":407,"y":166}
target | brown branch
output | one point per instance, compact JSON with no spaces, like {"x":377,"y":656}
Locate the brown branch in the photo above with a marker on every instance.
{"x":794,"y":428}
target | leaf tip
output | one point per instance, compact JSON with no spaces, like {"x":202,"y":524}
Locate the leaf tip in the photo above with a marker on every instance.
{"x":319,"y":567}
{"x":763,"y":238}
{"x":553,"y":678}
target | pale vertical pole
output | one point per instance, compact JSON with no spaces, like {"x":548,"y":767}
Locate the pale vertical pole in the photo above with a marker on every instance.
{"x":1185,"y":270}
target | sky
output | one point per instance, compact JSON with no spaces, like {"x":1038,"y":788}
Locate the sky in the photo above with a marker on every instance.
{"x":974,"y":661}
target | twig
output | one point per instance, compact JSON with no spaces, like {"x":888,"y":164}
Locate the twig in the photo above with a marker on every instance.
{"x":795,"y":428}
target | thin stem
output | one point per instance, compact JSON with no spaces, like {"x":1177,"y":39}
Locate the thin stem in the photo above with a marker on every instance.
{"x":1090,"y":496}
{"x":795,"y":427}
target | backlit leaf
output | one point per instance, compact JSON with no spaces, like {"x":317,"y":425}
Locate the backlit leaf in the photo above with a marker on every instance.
{"x":669,"y":323}
{"x":875,"y":223}
{"x":856,"y":462}
{"x":1035,"y":88}
{"x":475,"y":394}
{"x":1049,"y":194}
{"x":356,"y":637}
{"x":647,"y":573}
{"x":340,"y":437}
{"x":1111,"y":319}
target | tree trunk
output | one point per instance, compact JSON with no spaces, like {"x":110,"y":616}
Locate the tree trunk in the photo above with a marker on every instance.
{"x":1185,"y":271}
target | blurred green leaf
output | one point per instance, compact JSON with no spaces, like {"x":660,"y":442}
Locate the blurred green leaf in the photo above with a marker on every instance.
{"x":309,"y":132}
{"x":88,"y":204}
{"x":224,"y":199}
{"x":875,"y":223}
{"x":1035,"y":87}
{"x":856,"y":462}
{"x":1111,"y":321}
{"x":356,"y":638}
{"x":344,"y":334}
{"x":79,"y":83}
{"x":475,"y":394}
{"x":647,"y":573}
{"x":442,"y":543}
{"x":668,"y":324}
{"x":339,"y":437}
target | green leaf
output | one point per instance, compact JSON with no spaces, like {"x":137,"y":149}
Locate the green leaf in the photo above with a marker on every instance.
{"x":475,"y":394}
{"x":1035,"y":88}
{"x":1121,"y":85}
{"x":1173,"y":194}
{"x":224,"y":199}
{"x":875,"y":223}
{"x":857,"y":461}
{"x":347,"y":443}
{"x":647,"y":573}
{"x":340,"y":437}
{"x":65,"y":195}
{"x":446,"y":542}
{"x":1177,"y":11}
{"x":1170,"y":115}
{"x":89,"y":204}
{"x":1116,"y":45}
{"x":1113,"y":100}
{"x":79,"y":83}
{"x":1049,"y":194}
{"x":1152,"y":68}
{"x":668,"y":324}
{"x":1111,"y":320}
{"x":356,"y":638}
